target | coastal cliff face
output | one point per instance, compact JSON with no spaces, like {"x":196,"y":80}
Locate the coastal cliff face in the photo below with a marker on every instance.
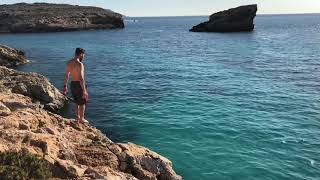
{"x":232,"y":20}
{"x":72,"y":151}
{"x":44,"y":17}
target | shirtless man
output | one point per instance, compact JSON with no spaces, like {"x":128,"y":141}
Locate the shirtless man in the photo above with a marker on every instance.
{"x":77,"y":85}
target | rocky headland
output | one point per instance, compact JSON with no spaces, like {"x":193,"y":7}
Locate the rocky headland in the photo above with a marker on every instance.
{"x":28,"y":124}
{"x":11,"y":57}
{"x":44,"y":17}
{"x":233,"y":20}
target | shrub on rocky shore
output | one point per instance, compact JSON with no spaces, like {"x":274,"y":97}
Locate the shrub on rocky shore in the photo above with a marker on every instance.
{"x":19,"y":165}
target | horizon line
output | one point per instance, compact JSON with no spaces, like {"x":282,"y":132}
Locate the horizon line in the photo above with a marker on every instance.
{"x":309,"y":13}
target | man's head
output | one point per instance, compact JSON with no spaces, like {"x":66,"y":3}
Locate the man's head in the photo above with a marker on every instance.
{"x":79,"y":53}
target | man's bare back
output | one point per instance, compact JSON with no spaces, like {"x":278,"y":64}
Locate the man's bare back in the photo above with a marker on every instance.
{"x":74,"y":68}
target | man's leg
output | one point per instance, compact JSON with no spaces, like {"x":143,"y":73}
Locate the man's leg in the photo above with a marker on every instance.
{"x":81,"y":112}
{"x":77,"y":112}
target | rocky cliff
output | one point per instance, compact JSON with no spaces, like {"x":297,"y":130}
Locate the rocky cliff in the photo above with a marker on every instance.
{"x":44,"y":17}
{"x":232,"y":20}
{"x":33,"y":85}
{"x":73,"y":151}
{"x":11,"y":57}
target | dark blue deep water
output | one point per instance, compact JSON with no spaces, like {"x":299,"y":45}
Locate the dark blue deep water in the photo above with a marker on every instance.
{"x":220,"y":106}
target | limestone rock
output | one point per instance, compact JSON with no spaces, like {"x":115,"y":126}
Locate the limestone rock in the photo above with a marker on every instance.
{"x":44,"y":17}
{"x":33,"y":85}
{"x":146,"y":164}
{"x":23,"y":126}
{"x":74,"y":153}
{"x":72,"y":170}
{"x":232,"y":20}
{"x":4,"y":110}
{"x":11,"y":57}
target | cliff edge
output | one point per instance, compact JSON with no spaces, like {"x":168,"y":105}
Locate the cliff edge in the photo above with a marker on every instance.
{"x":72,"y":151}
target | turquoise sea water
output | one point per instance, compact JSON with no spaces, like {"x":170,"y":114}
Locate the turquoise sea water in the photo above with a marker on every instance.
{"x":220,"y":106}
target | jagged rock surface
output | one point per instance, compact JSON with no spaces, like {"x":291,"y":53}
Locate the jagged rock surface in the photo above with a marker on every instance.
{"x":74,"y":151}
{"x":32,"y":85}
{"x":11,"y":57}
{"x":232,"y":20}
{"x":44,"y":17}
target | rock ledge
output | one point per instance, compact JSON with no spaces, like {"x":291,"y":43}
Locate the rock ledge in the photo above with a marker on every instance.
{"x":33,"y":85}
{"x":11,"y":57}
{"x":75,"y":151}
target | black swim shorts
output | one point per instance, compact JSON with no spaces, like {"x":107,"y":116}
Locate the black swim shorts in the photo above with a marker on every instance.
{"x":77,"y":92}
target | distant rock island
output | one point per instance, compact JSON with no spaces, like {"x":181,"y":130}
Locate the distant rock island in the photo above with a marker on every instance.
{"x":233,"y":20}
{"x":44,"y":17}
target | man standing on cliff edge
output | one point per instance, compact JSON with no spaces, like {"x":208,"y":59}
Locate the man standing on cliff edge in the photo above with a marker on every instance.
{"x":78,"y":86}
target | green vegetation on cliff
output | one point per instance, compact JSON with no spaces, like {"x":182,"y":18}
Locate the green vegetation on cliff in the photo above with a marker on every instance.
{"x":19,"y":165}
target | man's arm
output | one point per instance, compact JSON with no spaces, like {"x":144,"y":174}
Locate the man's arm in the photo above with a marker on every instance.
{"x":66,"y":79}
{"x":82,"y":82}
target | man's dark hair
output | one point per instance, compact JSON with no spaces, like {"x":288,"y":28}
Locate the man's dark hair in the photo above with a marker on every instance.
{"x":79,"y":51}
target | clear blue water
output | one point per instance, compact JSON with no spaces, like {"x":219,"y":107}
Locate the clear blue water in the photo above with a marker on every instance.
{"x":220,"y":106}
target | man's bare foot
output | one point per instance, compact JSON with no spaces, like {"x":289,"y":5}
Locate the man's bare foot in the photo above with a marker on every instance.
{"x":78,"y":121}
{"x":84,"y":121}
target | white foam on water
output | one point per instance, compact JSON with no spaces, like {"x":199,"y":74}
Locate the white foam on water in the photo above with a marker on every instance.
{"x":312,"y":162}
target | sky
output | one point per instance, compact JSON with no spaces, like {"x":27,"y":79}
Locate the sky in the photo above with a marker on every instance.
{"x":136,"y":8}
